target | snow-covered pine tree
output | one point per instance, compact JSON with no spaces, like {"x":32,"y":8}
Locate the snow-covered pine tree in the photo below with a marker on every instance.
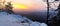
{"x":55,"y":21}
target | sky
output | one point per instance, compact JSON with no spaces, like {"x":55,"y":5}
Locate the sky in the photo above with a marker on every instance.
{"x":29,"y":5}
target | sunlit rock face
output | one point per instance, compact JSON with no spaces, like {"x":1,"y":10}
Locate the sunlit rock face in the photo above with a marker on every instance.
{"x":17,"y":20}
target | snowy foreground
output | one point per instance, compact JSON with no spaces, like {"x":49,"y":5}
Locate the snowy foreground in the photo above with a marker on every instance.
{"x":17,"y":20}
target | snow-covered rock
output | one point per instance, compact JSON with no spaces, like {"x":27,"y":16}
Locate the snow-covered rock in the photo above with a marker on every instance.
{"x":37,"y":24}
{"x":15,"y":20}
{"x":12,"y":17}
{"x":43,"y":24}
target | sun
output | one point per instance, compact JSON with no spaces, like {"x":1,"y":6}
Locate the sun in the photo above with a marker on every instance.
{"x":20,"y":6}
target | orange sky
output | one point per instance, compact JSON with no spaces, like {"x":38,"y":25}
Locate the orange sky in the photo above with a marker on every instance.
{"x":23,"y":6}
{"x":28,"y":5}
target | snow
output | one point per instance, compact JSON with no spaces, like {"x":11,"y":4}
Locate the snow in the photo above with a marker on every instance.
{"x":15,"y":20}
{"x":37,"y":24}
{"x":43,"y":24}
{"x":52,"y":14}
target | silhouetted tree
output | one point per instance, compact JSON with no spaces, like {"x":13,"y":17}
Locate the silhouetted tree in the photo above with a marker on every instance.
{"x":55,"y":21}
{"x":58,"y":14}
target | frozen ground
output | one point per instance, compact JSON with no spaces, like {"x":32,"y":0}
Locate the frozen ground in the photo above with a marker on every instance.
{"x":17,"y":20}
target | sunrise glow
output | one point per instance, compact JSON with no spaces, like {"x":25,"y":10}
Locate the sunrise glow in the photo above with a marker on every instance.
{"x":28,"y":5}
{"x":20,"y":6}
